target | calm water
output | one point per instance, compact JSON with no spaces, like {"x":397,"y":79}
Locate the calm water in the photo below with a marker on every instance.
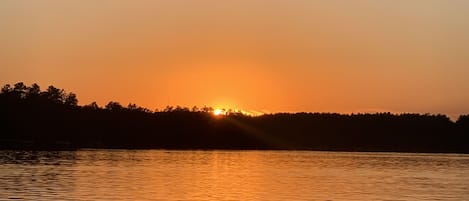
{"x":231,"y":175}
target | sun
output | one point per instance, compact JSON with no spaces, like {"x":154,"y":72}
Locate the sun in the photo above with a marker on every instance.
{"x":218,"y":112}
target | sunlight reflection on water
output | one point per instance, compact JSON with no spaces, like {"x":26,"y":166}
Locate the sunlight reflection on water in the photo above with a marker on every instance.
{"x":231,"y":175}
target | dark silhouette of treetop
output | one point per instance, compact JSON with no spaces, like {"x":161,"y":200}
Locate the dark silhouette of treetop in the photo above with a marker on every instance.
{"x":33,"y":91}
{"x":114,"y":106}
{"x":54,"y":94}
{"x":71,"y":99}
{"x":92,"y":105}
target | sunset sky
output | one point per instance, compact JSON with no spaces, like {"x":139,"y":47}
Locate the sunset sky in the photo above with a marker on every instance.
{"x":257,"y":55}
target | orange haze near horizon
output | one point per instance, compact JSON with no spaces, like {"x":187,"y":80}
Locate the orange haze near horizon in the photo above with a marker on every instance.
{"x":255,"y":55}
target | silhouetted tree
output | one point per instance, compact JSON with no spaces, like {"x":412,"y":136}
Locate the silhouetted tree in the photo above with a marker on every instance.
{"x":132,"y":106}
{"x":54,"y":94}
{"x":168,"y":109}
{"x":71,"y":99}
{"x":6,"y":89}
{"x":463,"y":119}
{"x":33,"y":91}
{"x":19,"y":90}
{"x":181,"y":109}
{"x":114,"y":106}
{"x":207,"y":109}
{"x":92,"y":105}
{"x":135,"y":108}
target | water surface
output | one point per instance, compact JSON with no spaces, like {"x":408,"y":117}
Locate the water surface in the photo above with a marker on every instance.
{"x":231,"y":175}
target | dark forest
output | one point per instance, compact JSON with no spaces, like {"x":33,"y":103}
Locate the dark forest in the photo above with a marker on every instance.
{"x":31,"y":118}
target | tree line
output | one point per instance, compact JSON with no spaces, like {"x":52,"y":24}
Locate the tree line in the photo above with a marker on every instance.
{"x":52,"y":119}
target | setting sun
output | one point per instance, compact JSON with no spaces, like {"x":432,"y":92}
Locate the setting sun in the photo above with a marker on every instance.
{"x":218,"y":112}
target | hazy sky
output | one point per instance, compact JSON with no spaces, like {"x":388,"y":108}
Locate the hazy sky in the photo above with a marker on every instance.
{"x":259,"y":55}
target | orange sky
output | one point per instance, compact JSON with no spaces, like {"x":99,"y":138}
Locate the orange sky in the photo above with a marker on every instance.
{"x":256,"y":55}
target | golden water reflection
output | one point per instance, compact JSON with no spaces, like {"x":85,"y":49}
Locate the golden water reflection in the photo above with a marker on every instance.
{"x":232,"y":175}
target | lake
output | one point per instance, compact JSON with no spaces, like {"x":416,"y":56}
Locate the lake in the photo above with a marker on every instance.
{"x":231,"y":175}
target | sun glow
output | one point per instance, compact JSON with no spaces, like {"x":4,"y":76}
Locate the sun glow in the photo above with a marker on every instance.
{"x":218,"y":112}
{"x":227,"y":112}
